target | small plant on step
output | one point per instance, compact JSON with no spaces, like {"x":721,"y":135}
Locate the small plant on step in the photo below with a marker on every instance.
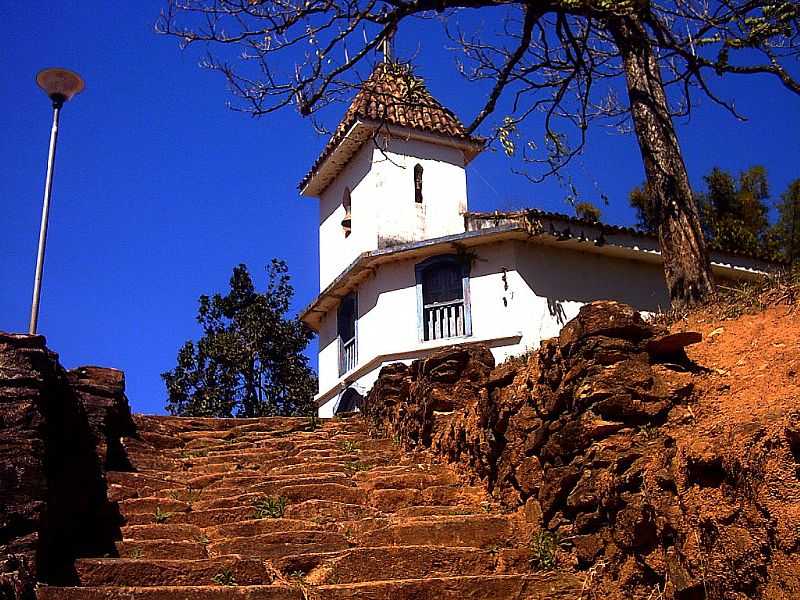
{"x":269,"y":507}
{"x":313,"y":422}
{"x":349,"y":446}
{"x":202,"y":539}
{"x":224,"y":577}
{"x":161,"y":516}
{"x":354,"y":467}
{"x":298,"y":580}
{"x":543,"y":550}
{"x":136,"y":553}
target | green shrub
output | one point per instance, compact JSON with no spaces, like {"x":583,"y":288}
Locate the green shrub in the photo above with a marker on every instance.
{"x":543,"y":550}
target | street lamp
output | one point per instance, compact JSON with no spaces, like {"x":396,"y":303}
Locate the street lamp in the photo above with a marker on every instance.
{"x":60,"y":85}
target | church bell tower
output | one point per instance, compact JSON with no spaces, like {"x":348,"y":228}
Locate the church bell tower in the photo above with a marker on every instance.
{"x":392,"y":173}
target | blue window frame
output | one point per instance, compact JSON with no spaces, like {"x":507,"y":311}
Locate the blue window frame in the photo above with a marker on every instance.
{"x":443,"y":302}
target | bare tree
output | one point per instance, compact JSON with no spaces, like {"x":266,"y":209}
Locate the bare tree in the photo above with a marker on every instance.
{"x":561,"y":62}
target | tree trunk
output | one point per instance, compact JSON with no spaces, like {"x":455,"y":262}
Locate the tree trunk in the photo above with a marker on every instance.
{"x":683,"y":249}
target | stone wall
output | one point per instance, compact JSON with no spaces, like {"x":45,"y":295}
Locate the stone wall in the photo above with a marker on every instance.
{"x":59,"y":431}
{"x":570,"y":434}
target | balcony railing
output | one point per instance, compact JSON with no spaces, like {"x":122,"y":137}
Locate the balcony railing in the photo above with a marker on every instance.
{"x":348,"y":355}
{"x":444,"y":320}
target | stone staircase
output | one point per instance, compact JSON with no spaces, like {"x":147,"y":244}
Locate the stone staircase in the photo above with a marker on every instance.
{"x":276,"y":508}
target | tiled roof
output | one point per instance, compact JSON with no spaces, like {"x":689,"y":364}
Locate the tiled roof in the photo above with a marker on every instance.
{"x":504,"y":216}
{"x":393,"y":95}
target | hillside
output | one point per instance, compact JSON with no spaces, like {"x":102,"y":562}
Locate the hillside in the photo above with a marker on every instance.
{"x":744,"y":420}
{"x":621,"y":460}
{"x":655,"y":473}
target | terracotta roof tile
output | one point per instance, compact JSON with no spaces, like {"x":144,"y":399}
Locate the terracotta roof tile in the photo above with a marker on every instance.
{"x":393,"y":95}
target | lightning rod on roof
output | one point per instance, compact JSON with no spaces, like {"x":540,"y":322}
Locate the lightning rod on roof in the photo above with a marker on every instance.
{"x":386,"y":46}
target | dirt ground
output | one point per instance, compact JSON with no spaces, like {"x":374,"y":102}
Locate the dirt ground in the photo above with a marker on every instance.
{"x":745,"y":414}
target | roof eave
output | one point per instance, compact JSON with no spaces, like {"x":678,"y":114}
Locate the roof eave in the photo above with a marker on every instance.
{"x":595,"y":238}
{"x":332,"y":163}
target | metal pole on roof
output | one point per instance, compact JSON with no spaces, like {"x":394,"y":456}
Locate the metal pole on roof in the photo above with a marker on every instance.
{"x":386,"y":46}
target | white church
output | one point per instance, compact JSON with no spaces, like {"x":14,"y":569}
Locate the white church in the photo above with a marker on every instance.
{"x":406,"y":269}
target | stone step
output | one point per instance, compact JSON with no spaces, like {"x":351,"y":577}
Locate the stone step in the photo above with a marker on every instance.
{"x":134,"y":480}
{"x":156,"y":422}
{"x":161,"y":549}
{"x":215,"y":501}
{"x":322,"y":491}
{"x":208,"y":592}
{"x":162,"y":531}
{"x":253,"y":527}
{"x":136,"y":506}
{"x":391,"y":500}
{"x":407,"y":481}
{"x":119,"y":572}
{"x":357,"y":528}
{"x":272,"y":485}
{"x":388,"y":562}
{"x":304,"y":468}
{"x":438,"y":511}
{"x":271,"y":546}
{"x":249,"y":455}
{"x":155,"y":465}
{"x":474,"y":531}
{"x":223,"y":468}
{"x":201,"y":518}
{"x":329,"y":510}
{"x":544,"y":586}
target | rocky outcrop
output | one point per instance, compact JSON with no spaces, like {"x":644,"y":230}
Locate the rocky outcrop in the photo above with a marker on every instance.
{"x":578,"y":437}
{"x":58,"y":432}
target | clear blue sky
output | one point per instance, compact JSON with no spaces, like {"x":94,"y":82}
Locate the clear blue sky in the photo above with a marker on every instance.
{"x":160,"y":190}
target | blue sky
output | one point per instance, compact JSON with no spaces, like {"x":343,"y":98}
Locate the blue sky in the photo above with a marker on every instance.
{"x":160,"y":190}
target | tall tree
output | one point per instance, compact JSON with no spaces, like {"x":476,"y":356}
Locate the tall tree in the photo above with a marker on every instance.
{"x":734,"y":213}
{"x":249,"y":361}
{"x":788,"y":226}
{"x":559,"y":59}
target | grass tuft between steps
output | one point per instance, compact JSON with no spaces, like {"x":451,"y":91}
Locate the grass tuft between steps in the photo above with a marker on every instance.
{"x":224,"y":577}
{"x":269,"y":507}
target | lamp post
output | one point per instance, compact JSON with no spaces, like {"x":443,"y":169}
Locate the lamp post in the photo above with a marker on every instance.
{"x":60,"y":85}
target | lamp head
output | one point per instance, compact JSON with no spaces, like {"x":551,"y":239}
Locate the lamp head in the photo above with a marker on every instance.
{"x":60,"y":85}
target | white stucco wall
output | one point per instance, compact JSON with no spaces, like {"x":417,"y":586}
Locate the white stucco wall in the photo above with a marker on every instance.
{"x":383,"y":211}
{"x":521,"y":293}
{"x":444,"y":191}
{"x":551,"y":283}
{"x":337,"y":252}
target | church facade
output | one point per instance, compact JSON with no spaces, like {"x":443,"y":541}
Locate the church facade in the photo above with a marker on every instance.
{"x":406,"y":269}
